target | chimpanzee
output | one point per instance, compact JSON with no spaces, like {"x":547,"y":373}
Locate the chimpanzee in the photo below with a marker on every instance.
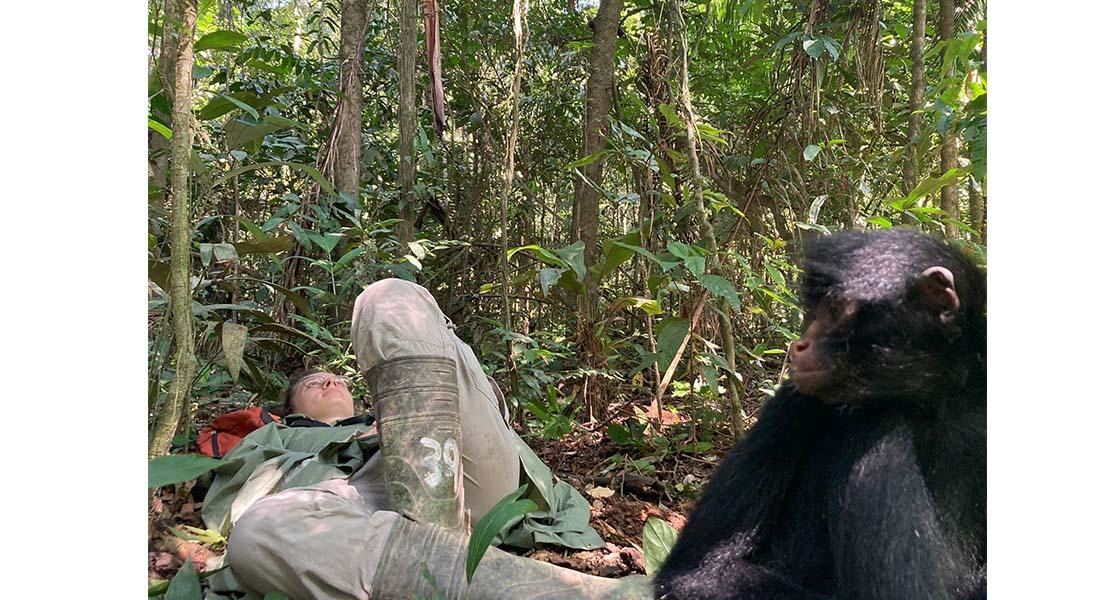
{"x":864,"y":477}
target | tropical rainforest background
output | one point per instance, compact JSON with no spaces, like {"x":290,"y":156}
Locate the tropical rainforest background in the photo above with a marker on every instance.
{"x":607,"y":198}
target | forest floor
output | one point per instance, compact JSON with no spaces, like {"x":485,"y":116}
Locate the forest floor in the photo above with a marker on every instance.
{"x":621,"y":502}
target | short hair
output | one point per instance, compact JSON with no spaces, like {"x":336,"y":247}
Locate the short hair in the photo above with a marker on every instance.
{"x":292,"y":387}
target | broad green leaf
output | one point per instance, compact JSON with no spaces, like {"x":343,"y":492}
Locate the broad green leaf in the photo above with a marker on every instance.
{"x":498,"y":517}
{"x":811,"y":151}
{"x":158,"y":273}
{"x":573,"y":256}
{"x":541,"y":253}
{"x":300,"y":235}
{"x":547,"y":278}
{"x":540,"y":476}
{"x":280,"y":328}
{"x":616,"y":254}
{"x":776,"y":275}
{"x":665,"y":265}
{"x":417,"y":249}
{"x":711,"y":133}
{"x":619,"y":434}
{"x":307,"y":169}
{"x":673,"y":331}
{"x":158,"y":587}
{"x":695,"y":264}
{"x":696,"y":447}
{"x":243,"y":106}
{"x":177,"y":468}
{"x":722,"y":288}
{"x":881,"y":221}
{"x":630,"y":131}
{"x":711,"y":376}
{"x":326,"y":241}
{"x":185,"y":585}
{"x":571,"y":282}
{"x":160,"y":128}
{"x":234,"y":336}
{"x":295,"y":297}
{"x":206,"y":253}
{"x":719,"y":360}
{"x":348,"y":257}
{"x":933,"y":184}
{"x":220,"y":104}
{"x":815,"y":207}
{"x":670,"y":116}
{"x":225,"y":252}
{"x":239,"y":133}
{"x":220,"y":40}
{"x":285,"y":122}
{"x":813,"y":47}
{"x":658,"y":537}
{"x":585,"y":160}
{"x":649,"y":306}
{"x":265,"y":245}
{"x":680,"y":250}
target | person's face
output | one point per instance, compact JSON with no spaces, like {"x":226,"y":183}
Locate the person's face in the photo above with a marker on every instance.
{"x":323,"y":396}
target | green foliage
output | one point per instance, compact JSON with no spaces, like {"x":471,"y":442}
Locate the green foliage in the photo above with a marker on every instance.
{"x":194,"y":534}
{"x":503,"y":514}
{"x":220,"y":40}
{"x":185,"y":585}
{"x":658,"y":537}
{"x":279,"y":257}
{"x":670,"y":334}
{"x":554,"y":417}
{"x":178,"y":468}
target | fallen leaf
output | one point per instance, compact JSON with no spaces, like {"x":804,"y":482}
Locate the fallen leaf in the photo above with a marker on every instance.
{"x":601,"y":492}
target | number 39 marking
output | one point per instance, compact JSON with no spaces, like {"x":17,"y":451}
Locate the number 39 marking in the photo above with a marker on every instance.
{"x":441,"y":461}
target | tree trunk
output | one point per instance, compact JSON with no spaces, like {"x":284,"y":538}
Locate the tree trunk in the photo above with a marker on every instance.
{"x":406,"y":114}
{"x":348,"y":123}
{"x":977,"y":209}
{"x":911,"y":168}
{"x":676,"y":20}
{"x":179,"y":288}
{"x":586,"y":203}
{"x":435,"y":63}
{"x":166,"y":69}
{"x":949,"y":151}
{"x":340,"y":158}
{"x":978,"y":217}
{"x":519,"y":21}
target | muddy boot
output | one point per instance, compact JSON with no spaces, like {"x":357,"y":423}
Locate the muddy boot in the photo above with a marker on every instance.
{"x":416,"y":405}
{"x":427,"y":561}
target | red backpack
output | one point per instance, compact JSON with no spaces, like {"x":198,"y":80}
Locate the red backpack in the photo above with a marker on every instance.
{"x":226,"y":431}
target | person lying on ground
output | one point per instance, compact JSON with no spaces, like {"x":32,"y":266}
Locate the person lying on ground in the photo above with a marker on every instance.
{"x":396,"y":527}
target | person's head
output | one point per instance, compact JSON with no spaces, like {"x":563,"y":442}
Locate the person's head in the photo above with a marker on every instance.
{"x":320,"y":395}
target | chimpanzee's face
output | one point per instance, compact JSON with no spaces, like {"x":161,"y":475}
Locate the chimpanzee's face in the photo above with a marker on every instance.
{"x":865,"y":348}
{"x":817,"y":367}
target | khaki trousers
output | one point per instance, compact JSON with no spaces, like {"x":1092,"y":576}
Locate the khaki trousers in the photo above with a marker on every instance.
{"x":324,"y":541}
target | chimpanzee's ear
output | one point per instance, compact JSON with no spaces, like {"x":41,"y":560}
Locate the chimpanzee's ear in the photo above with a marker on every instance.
{"x":936,"y":291}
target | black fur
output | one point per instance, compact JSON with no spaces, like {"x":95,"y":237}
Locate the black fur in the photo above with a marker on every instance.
{"x":879,"y":496}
